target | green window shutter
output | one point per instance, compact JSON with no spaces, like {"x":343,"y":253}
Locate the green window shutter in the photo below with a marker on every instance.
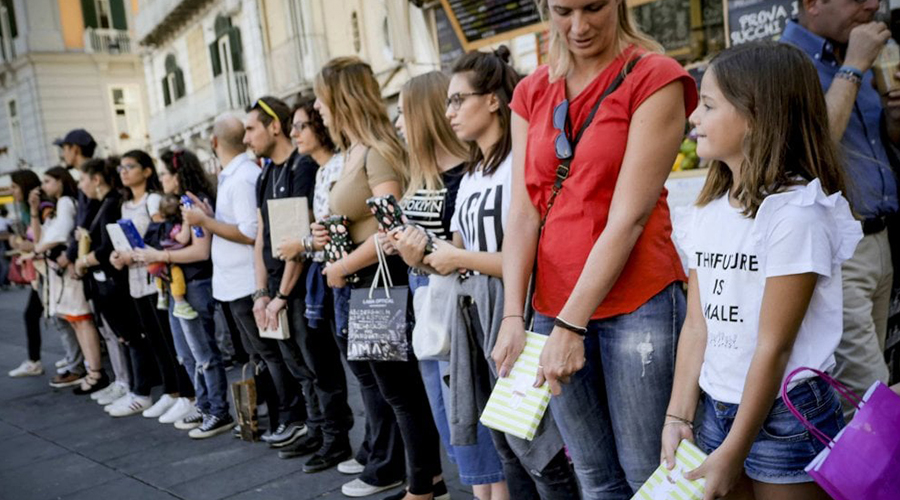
{"x":11,"y":11}
{"x":179,"y":84}
{"x":167,"y":98}
{"x":237,"y":50}
{"x":214,"y":59}
{"x":119,"y":20}
{"x":90,"y":13}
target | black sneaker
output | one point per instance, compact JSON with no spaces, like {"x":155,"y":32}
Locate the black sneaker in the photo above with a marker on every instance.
{"x":304,"y":446}
{"x":328,"y":457}
{"x":287,"y":434}
{"x":212,"y":426}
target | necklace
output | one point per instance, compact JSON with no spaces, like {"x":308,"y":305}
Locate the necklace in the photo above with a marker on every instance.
{"x":284,"y":169}
{"x":349,"y":152}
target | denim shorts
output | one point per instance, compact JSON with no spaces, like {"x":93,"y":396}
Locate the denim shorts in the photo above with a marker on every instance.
{"x":783,"y":447}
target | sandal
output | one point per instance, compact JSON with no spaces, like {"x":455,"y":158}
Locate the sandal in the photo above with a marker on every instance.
{"x":92,"y":382}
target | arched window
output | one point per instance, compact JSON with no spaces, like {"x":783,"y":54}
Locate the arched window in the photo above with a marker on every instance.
{"x":173,"y":83}
{"x":226,"y":52}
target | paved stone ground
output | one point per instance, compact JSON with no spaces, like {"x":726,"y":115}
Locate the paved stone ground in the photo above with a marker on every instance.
{"x":55,"y":445}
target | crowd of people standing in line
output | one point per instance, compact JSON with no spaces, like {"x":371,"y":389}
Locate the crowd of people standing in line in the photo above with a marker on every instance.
{"x":505,"y":180}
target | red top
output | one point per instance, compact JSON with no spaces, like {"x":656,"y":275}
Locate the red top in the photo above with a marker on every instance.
{"x":581,"y":209}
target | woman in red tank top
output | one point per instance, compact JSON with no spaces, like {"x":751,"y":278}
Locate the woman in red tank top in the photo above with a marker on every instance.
{"x":608,"y":278}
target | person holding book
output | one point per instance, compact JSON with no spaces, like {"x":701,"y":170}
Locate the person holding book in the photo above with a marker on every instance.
{"x":768,"y":299}
{"x":437,"y":161}
{"x":310,"y":353}
{"x":141,"y":206}
{"x":195,"y":340}
{"x":348,"y":97}
{"x":594,"y":136}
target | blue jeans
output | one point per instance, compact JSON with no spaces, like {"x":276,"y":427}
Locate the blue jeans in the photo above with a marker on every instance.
{"x":611,"y":412}
{"x":784,"y":447}
{"x":478,"y":463}
{"x":195,"y":344}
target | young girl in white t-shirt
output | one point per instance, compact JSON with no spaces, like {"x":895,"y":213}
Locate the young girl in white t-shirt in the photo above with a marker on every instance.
{"x":765,"y":244}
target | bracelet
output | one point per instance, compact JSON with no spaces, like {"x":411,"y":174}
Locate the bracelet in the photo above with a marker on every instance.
{"x":279,"y":295}
{"x":852,"y":70}
{"x":580,"y":330}
{"x":259,"y":293}
{"x":512,"y":316}
{"x":168,"y":256}
{"x":308,"y":243}
{"x":851,"y":75}
{"x":680,"y":419}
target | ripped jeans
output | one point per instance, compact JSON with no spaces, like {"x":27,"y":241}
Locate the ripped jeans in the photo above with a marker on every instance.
{"x":195,"y":345}
{"x":611,"y":412}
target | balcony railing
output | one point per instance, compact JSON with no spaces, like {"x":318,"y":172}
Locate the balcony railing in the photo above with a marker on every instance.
{"x":107,"y":41}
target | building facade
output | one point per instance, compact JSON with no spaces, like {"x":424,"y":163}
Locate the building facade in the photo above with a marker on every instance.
{"x":206,"y":57}
{"x":68,"y":64}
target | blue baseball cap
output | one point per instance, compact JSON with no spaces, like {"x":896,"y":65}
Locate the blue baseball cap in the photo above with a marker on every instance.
{"x":79,"y":137}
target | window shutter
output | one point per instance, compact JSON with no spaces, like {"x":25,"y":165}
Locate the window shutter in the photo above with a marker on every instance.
{"x":179,"y":84}
{"x":167,"y":98}
{"x":11,"y":11}
{"x":237,"y":50}
{"x":117,"y":9}
{"x":90,"y":13}
{"x":214,"y":59}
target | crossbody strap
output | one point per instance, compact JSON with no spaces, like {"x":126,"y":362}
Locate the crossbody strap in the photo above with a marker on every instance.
{"x":563,"y":169}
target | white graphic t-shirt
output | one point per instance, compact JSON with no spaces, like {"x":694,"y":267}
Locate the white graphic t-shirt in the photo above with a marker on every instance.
{"x":798,"y":231}
{"x":482,"y":207}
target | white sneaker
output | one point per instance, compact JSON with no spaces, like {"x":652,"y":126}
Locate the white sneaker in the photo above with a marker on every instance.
{"x":122,"y":401}
{"x":134,"y":405}
{"x":159,"y":407}
{"x":179,"y":410}
{"x":102,"y":392}
{"x":190,"y":421}
{"x":61,"y":363}
{"x":28,"y":368}
{"x":350,"y":467}
{"x":114,"y":392}
{"x":359,"y":488}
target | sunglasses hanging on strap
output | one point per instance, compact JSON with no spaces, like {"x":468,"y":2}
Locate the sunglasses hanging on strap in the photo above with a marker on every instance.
{"x":565,"y":152}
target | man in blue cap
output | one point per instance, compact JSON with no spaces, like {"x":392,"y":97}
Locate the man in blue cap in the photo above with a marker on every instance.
{"x":78,"y":147}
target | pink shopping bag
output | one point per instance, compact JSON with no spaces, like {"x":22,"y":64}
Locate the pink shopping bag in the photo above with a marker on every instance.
{"x":863,"y":461}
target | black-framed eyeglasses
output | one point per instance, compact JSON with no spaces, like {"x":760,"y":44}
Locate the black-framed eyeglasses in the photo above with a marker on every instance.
{"x":301,"y":126}
{"x":129,"y":167}
{"x":456,"y":100}
{"x":561,"y":122}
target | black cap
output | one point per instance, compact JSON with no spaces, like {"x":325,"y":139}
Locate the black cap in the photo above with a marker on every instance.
{"x":79,"y":137}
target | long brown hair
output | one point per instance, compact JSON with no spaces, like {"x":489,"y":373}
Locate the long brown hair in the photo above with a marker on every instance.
{"x":491,"y":73}
{"x":627,"y":33}
{"x":427,"y":129}
{"x":776,"y":89}
{"x":347,"y":86}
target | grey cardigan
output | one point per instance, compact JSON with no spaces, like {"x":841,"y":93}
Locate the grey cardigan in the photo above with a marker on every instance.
{"x":486,"y":293}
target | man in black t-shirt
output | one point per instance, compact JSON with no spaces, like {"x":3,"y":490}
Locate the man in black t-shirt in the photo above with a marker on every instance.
{"x":311,"y":355}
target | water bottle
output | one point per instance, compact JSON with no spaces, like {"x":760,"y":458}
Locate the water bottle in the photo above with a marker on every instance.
{"x":186,"y":201}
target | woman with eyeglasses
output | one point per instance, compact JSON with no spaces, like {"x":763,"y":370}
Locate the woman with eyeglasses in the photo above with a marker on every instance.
{"x":437,"y":166}
{"x":375,"y":164}
{"x":477,"y":108}
{"x":608,"y":287}
{"x":141,"y":207}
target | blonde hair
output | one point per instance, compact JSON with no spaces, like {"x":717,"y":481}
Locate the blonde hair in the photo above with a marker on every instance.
{"x":627,"y":33}
{"x":347,"y":86}
{"x":427,"y":130}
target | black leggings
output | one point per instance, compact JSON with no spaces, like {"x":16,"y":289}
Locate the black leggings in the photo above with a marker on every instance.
{"x":158,"y":338}
{"x":33,"y":312}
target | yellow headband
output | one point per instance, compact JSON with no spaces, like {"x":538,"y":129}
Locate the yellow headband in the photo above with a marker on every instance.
{"x":267,"y":109}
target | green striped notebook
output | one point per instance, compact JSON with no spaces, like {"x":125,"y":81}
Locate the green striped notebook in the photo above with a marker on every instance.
{"x":515,"y":406}
{"x":671,"y":485}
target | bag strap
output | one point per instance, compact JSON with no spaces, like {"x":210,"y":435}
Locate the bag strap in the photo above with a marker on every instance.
{"x":382,"y":274}
{"x":839,"y":387}
{"x":563,"y":170}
